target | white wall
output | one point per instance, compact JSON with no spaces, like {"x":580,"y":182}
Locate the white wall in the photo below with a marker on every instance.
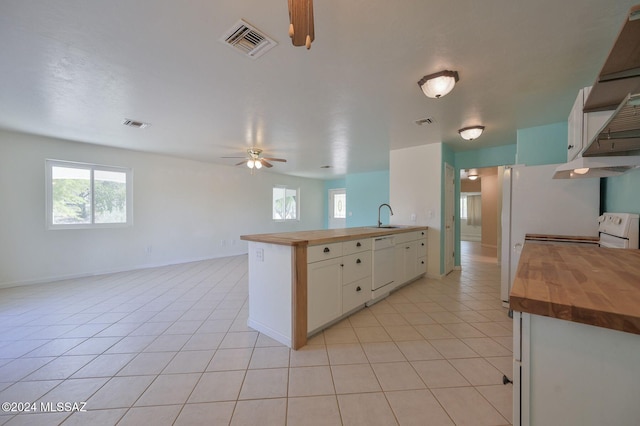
{"x":415,"y":188}
{"x":182,"y":209}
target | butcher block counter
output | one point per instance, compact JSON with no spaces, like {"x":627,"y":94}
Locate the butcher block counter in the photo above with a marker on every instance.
{"x":576,"y":335}
{"x":325,"y":236}
{"x":586,"y":284}
{"x":302,"y":282}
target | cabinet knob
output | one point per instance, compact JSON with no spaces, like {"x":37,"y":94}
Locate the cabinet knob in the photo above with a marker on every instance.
{"x":358,"y":245}
{"x":358,"y":261}
{"x":326,"y":250}
{"x":422,"y":261}
{"x":342,"y":264}
{"x":358,"y":288}
{"x":422,"y":244}
{"x":570,"y":147}
{"x":407,"y":248}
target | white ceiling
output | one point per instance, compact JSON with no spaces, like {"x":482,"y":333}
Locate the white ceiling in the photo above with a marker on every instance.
{"x":76,"y":69}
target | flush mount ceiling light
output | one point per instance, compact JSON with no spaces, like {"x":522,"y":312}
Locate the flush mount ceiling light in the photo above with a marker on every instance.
{"x":473,"y":174}
{"x":438,"y":84}
{"x":471,"y":133}
{"x":301,"y":28}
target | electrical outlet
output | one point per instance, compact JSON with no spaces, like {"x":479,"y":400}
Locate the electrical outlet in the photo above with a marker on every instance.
{"x":413,"y":217}
{"x":260,"y":255}
{"x":223,"y":243}
{"x":148,"y":249}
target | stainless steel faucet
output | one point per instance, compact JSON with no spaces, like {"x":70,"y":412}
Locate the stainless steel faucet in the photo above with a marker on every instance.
{"x":379,"y":208}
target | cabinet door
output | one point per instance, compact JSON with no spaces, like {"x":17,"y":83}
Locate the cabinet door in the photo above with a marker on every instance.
{"x":324,"y":292}
{"x":575,"y":127}
{"x":410,"y":260}
{"x":406,"y":255}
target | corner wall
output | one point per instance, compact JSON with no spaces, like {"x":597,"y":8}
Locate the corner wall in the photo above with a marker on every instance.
{"x":416,"y":189}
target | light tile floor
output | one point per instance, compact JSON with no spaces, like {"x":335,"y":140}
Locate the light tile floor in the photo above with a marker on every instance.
{"x":170,"y":346}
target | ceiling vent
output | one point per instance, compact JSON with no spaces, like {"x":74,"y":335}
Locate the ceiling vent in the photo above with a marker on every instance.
{"x":422,"y":121}
{"x":248,"y":40}
{"x":136,"y":124}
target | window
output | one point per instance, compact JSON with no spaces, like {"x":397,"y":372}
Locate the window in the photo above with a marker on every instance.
{"x":285,"y":203}
{"x":87,"y":195}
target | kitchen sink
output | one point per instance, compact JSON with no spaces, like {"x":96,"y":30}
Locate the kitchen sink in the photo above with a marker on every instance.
{"x":383,"y":227}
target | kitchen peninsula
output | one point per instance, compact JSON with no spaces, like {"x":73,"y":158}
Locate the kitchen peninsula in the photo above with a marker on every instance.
{"x":302,"y":282}
{"x":576,"y":335}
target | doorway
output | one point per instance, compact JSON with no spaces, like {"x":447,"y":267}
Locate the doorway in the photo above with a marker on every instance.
{"x":337,"y":208}
{"x":480,"y":207}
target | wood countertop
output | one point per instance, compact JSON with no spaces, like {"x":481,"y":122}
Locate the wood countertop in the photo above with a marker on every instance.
{"x":324,"y":236}
{"x":580,"y":283}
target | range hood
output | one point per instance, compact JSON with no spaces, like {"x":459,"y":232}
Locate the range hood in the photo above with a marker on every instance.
{"x":614,"y":150}
{"x":597,"y":167}
{"x":620,"y":74}
{"x":620,"y":135}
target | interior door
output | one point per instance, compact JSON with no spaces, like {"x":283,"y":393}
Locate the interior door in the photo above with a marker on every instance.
{"x":337,"y":208}
{"x":449,"y":219}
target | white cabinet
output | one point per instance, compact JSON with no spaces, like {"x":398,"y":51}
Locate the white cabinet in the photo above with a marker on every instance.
{"x":583,"y":127}
{"x":421,"y":244}
{"x":338,"y":280}
{"x":324,"y":292}
{"x":567,"y":373}
{"x":410,"y":256}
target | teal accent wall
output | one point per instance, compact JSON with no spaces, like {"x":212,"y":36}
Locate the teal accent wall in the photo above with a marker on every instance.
{"x":330,"y":184}
{"x":365,"y":193}
{"x":486,"y":157}
{"x":622,"y":193}
{"x":542,"y":144}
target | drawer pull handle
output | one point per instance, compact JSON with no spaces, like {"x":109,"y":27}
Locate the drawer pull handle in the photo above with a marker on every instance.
{"x":422,"y":244}
{"x":326,"y":250}
{"x":422,"y":262}
{"x":358,"y":245}
{"x":358,"y":261}
{"x":358,"y":288}
{"x":407,"y":248}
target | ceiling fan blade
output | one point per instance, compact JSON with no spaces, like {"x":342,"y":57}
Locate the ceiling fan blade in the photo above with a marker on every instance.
{"x":275,"y":159}
{"x":242,"y":162}
{"x":266,"y":163}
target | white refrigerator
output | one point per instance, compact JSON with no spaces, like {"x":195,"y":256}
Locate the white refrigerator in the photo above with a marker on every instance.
{"x":534,"y":203}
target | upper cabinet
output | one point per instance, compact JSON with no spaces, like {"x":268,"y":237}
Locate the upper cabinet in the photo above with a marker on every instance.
{"x":582,"y":127}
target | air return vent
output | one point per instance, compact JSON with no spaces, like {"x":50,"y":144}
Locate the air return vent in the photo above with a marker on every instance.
{"x":134,"y":123}
{"x":422,"y":121}
{"x":248,"y":40}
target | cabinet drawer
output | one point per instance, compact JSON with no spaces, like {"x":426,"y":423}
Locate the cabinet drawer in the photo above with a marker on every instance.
{"x":356,"y":246}
{"x":422,"y":248}
{"x":323,"y":252}
{"x":404,"y":237}
{"x":356,"y":294}
{"x":356,"y":267}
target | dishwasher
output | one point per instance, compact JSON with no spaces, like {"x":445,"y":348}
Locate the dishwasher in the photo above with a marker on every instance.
{"x":383,"y":265}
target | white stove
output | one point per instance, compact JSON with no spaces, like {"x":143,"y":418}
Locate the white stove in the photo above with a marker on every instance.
{"x":618,"y":230}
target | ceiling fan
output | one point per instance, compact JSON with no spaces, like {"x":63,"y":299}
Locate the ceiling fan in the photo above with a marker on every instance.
{"x":255,"y":161}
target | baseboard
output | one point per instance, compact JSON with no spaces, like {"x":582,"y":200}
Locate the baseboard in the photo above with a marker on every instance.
{"x":56,"y":278}
{"x":275,"y":335}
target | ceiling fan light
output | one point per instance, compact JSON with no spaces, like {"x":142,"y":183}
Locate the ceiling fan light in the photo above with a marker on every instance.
{"x":258,"y":164}
{"x":438,"y":84}
{"x":471,"y":133}
{"x":250,"y":164}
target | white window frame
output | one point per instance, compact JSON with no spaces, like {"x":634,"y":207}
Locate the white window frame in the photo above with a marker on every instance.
{"x":49,"y":164}
{"x":286,"y":188}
